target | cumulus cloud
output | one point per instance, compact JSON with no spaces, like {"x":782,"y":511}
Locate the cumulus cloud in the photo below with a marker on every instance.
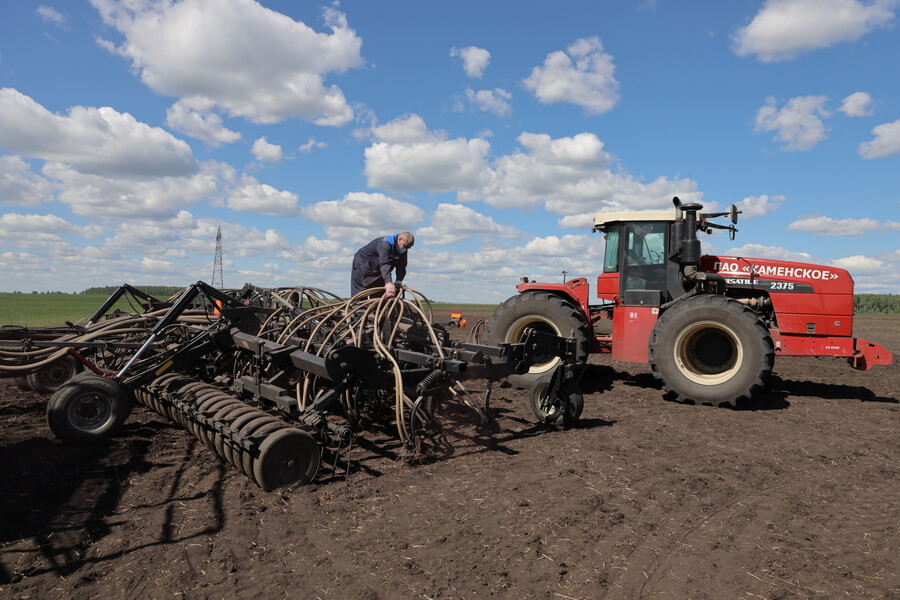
{"x":475,"y":60}
{"x":783,"y":29}
{"x":886,"y":142}
{"x":568,"y":176}
{"x":409,"y":157}
{"x":359,"y":217}
{"x":265,"y":152}
{"x":98,"y":196}
{"x":857,"y":105}
{"x":582,"y":75}
{"x":860,"y":264}
{"x":248,"y":60}
{"x":195,"y":117}
{"x":31,"y":230}
{"x":798,"y":123}
{"x":453,"y":223}
{"x":98,"y":141}
{"x":493,"y":101}
{"x":757,"y":206}
{"x":819,"y":225}
{"x":770,"y":252}
{"x":20,"y":186}
{"x":253,"y":196}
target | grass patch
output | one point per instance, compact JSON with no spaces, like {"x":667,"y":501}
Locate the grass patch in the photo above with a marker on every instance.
{"x":41,"y":310}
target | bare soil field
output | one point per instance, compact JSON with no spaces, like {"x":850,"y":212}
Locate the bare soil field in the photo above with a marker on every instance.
{"x":796,"y":495}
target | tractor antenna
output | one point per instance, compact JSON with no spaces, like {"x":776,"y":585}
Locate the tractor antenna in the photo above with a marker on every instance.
{"x":217,"y":276}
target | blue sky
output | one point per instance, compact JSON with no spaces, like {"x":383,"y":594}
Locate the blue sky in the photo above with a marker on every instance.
{"x":131,"y":130}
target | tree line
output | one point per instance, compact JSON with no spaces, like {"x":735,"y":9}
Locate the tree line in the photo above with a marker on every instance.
{"x":884,"y":304}
{"x":158,"y":291}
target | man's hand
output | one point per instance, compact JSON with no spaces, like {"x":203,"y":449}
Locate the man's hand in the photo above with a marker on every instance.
{"x":390,"y":290}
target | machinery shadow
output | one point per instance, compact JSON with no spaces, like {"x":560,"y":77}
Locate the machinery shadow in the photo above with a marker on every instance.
{"x":59,"y":500}
{"x":829,"y":391}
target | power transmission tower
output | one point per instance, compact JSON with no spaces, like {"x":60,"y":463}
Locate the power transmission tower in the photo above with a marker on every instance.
{"x":218,"y":279}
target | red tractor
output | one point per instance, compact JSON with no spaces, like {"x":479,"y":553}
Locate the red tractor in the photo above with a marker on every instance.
{"x":710,"y":326}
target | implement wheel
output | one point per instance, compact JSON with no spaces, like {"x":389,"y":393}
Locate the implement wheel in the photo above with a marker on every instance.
{"x":88,"y":408}
{"x":542,"y":311}
{"x":564,"y":409}
{"x":711,"y":350}
{"x":48,"y":379}
{"x":286,"y":456}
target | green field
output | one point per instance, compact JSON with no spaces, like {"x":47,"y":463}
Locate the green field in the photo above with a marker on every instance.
{"x":40,"y":310}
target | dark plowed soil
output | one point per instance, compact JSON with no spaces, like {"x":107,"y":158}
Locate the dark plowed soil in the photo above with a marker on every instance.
{"x":795,"y":496}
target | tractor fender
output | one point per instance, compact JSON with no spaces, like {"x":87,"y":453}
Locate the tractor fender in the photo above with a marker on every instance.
{"x":575,"y":291}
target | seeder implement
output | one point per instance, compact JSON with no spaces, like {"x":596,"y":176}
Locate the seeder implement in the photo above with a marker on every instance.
{"x":272,"y":380}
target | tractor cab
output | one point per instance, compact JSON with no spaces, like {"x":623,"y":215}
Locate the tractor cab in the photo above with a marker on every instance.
{"x":635,"y":264}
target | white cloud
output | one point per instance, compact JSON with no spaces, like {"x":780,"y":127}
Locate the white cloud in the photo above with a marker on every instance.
{"x":581,"y":75}
{"x":249,"y":60}
{"x":798,"y":123}
{"x":757,"y":206}
{"x":886,"y":142}
{"x":453,"y":223}
{"x":195,"y":117}
{"x":493,"y":101}
{"x":860,"y":264}
{"x":253,"y":196}
{"x":310,"y":144}
{"x":770,"y":252}
{"x":265,"y":152}
{"x":410,"y":128}
{"x":819,"y":225}
{"x":413,"y":158}
{"x":783,"y":29}
{"x":49,"y":14}
{"x":360,"y":217}
{"x":99,"y":141}
{"x":857,"y":105}
{"x":37,"y":231}
{"x":475,"y":60}
{"x":95,"y":195}
{"x":20,"y":186}
{"x":569,"y":176}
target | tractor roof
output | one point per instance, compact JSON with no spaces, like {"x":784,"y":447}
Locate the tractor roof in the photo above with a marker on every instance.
{"x":637,"y":215}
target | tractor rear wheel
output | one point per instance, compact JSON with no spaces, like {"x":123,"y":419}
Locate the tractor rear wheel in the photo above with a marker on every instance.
{"x":542,"y":311}
{"x":711,"y":350}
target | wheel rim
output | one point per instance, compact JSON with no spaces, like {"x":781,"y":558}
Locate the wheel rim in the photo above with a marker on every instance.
{"x":518,"y":327}
{"x":90,"y":412}
{"x":708,"y":353}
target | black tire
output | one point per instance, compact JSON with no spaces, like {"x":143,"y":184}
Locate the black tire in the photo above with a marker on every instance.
{"x":711,"y":350}
{"x":565,"y":409}
{"x":47,"y":379}
{"x":22,"y":383}
{"x":542,"y":311}
{"x":88,"y":409}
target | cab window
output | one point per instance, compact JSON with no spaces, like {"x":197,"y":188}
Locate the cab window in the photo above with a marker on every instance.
{"x":645,"y":244}
{"x":611,"y":260}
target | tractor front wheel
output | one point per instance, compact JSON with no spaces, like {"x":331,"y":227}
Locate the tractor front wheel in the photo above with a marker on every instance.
{"x":711,"y":350}
{"x":542,"y":311}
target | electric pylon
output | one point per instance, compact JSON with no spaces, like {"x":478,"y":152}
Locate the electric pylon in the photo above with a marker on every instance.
{"x":218,"y":279}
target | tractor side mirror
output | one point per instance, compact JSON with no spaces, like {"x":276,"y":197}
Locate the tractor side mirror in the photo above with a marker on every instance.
{"x":734,"y":213}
